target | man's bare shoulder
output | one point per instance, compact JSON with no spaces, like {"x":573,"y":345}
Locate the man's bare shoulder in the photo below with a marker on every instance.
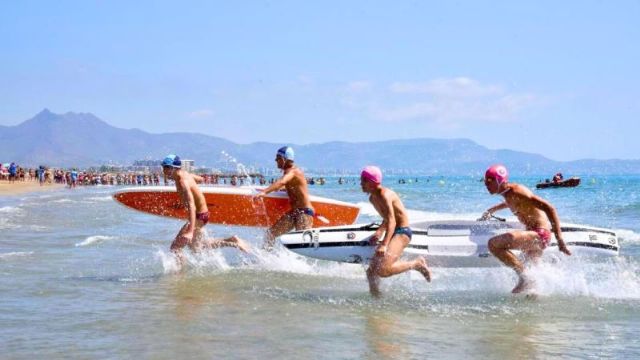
{"x":184,"y":178}
{"x":298,"y":172}
{"x":521,"y":190}
{"x":389,"y":194}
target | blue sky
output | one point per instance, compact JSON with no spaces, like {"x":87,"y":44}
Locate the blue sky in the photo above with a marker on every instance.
{"x":555,"y":78}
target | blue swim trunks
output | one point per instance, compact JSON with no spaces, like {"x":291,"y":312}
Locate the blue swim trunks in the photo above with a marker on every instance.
{"x":403,"y":231}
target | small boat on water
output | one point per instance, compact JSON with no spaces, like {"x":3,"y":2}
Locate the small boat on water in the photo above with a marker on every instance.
{"x":571,"y":182}
{"x":445,"y":243}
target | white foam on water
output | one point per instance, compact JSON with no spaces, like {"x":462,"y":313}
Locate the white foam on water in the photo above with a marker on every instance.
{"x":627,"y":237}
{"x":15,"y":254}
{"x":204,"y":261}
{"x":11,"y":210}
{"x":6,"y":225}
{"x":99,"y":198}
{"x":281,"y":260}
{"x":63,"y":201}
{"x":612,"y":279}
{"x":168,"y":260}
{"x":95,"y":239}
{"x":38,"y":228}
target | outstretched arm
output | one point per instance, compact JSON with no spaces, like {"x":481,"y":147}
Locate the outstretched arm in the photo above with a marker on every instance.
{"x":278,"y":184}
{"x":487,"y":214}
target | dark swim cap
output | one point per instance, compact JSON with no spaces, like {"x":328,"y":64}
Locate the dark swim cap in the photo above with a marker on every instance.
{"x":172,"y":160}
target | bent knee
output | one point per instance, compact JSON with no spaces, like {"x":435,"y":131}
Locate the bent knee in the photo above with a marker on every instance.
{"x":493,"y":247}
{"x":178,"y":244}
{"x":384,"y":271}
{"x":500,"y":242}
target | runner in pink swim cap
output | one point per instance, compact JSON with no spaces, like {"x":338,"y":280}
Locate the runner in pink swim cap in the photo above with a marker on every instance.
{"x":372,"y":173}
{"x":540,"y":220}
{"x":392,"y":236}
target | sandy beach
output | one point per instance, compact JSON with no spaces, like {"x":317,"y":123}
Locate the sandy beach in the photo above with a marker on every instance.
{"x":21,"y":187}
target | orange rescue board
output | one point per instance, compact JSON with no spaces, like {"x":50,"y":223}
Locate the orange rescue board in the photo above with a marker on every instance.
{"x":234,"y":205}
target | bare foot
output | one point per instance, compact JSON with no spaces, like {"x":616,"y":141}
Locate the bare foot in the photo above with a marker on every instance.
{"x":524,"y":283}
{"x":241,"y":244}
{"x":423,"y":268}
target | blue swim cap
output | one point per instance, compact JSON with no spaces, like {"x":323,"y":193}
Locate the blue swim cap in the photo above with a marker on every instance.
{"x":172,"y":161}
{"x":286,"y":152}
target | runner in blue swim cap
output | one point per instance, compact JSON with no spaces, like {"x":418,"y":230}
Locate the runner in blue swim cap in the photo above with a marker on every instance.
{"x":193,"y":200}
{"x":301,"y":214}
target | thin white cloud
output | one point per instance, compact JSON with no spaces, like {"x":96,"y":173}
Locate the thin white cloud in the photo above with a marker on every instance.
{"x":454,"y":102}
{"x":455,"y":87}
{"x":359,"y":86}
{"x":200,"y":114}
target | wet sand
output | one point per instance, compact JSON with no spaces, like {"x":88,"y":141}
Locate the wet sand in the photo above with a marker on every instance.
{"x":22,"y":187}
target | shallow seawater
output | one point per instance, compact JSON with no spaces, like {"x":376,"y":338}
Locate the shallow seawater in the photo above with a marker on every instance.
{"x":83,"y":277}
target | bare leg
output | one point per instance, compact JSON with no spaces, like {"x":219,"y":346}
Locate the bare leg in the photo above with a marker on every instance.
{"x":233,"y":241}
{"x":282,"y":226}
{"x":303,"y":221}
{"x":373,"y":278}
{"x":391,"y":266}
{"x":178,"y":243}
{"x":388,"y":265}
{"x":501,"y":245}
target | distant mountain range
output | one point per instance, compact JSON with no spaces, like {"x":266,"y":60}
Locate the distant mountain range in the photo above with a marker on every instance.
{"x":82,"y":139}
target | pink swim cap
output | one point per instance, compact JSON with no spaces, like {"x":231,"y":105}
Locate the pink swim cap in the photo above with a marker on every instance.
{"x":498,"y":173}
{"x":372,"y":173}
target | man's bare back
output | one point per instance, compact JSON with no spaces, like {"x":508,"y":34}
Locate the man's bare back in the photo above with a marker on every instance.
{"x":518,"y":199}
{"x":186,"y":183}
{"x":387,"y":195}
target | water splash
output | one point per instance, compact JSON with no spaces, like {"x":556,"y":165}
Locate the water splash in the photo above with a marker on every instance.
{"x":628,"y":237}
{"x":242,"y":170}
{"x":258,"y":203}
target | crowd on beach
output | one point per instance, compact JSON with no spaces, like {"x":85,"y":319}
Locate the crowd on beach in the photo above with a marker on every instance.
{"x":12,"y":172}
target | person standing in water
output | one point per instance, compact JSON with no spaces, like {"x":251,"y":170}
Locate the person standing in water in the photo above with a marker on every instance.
{"x":537,"y":215}
{"x":302,"y":213}
{"x":396,"y":230}
{"x":198,"y":213}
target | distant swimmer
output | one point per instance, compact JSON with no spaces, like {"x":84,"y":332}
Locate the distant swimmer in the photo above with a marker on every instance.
{"x":302,"y":213}
{"x":397,"y":233}
{"x":537,"y":215}
{"x":192,"y":198}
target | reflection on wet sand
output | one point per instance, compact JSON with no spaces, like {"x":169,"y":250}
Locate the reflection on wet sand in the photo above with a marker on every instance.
{"x":382,"y":333}
{"x":194,"y":295}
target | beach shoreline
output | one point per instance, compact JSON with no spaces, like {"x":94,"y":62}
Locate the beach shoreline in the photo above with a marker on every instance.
{"x":23,"y":187}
